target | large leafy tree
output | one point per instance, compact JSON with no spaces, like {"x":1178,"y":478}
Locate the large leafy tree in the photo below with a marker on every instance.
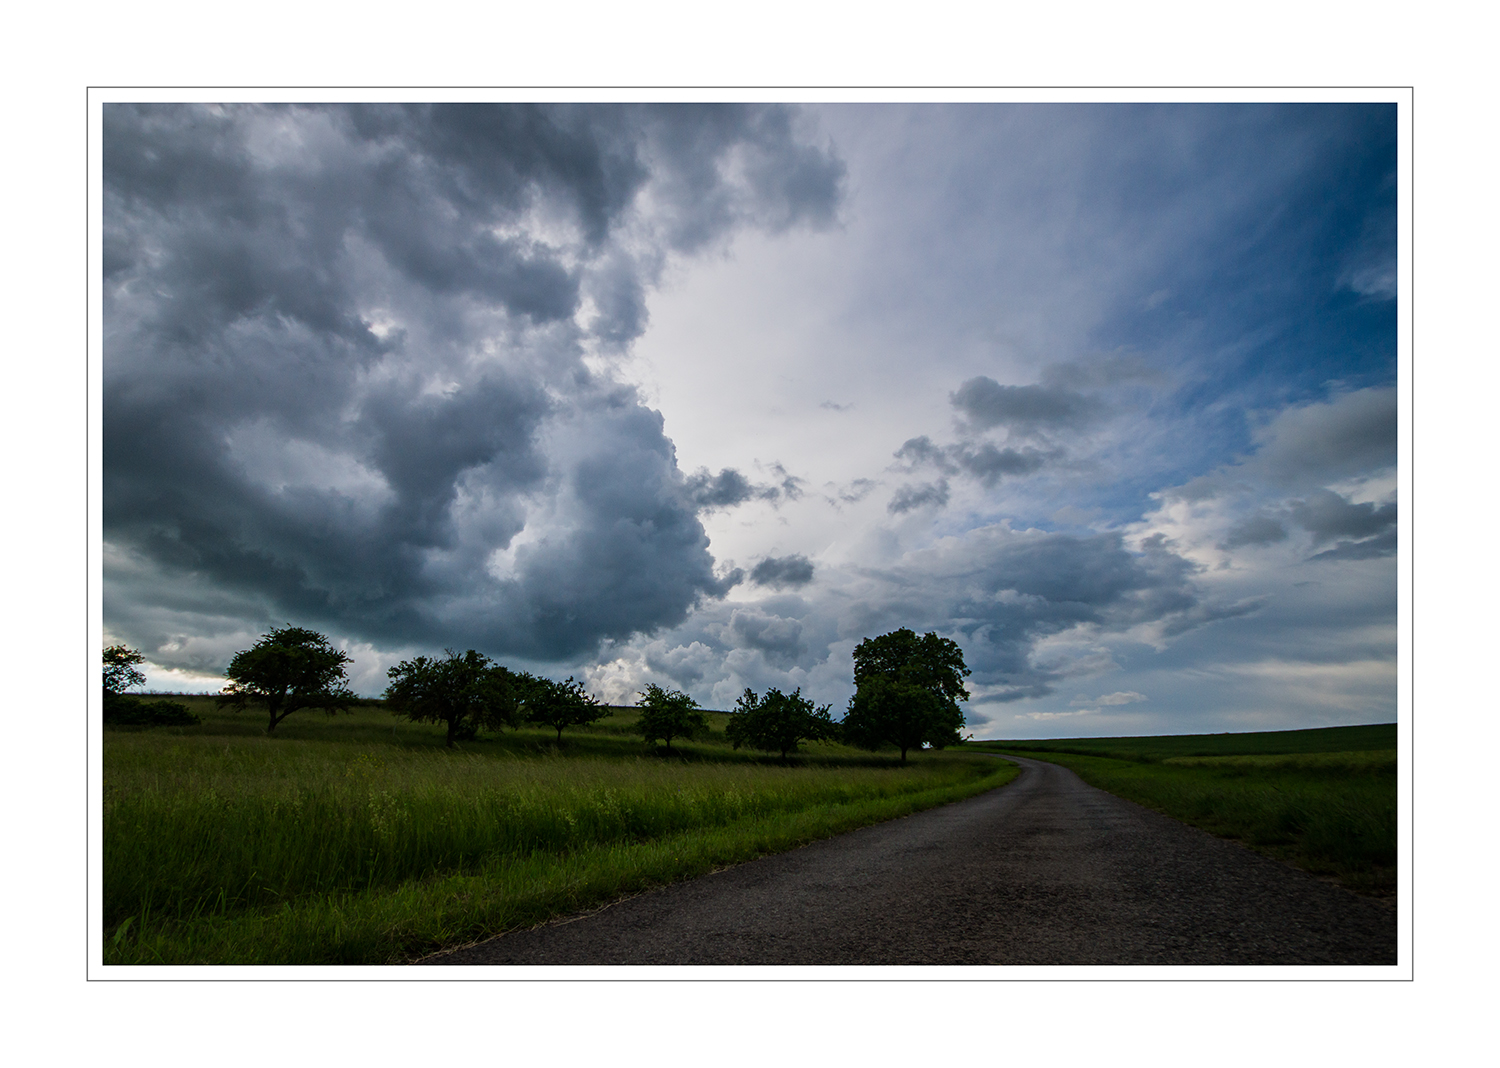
{"x":288,"y":669}
{"x":561,"y":704}
{"x":466,"y":692}
{"x":906,"y":692}
{"x":778,"y":721}
{"x":668,"y":714}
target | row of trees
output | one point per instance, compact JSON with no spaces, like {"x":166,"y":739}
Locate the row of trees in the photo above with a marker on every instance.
{"x":907,"y":690}
{"x":468,"y":693}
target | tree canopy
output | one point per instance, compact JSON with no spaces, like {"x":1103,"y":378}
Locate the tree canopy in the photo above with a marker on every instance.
{"x":561,"y":704}
{"x":289,"y":668}
{"x":466,"y":692}
{"x":777,"y":722}
{"x":668,"y":714}
{"x":119,"y":668}
{"x":907,"y":691}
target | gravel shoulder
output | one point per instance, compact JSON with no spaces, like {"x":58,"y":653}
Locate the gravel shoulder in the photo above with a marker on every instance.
{"x":1045,"y":870}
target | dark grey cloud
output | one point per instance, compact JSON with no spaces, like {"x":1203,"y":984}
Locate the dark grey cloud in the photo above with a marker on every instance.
{"x":986,"y":403}
{"x":988,"y":463}
{"x":723,"y":490}
{"x":1351,"y":434}
{"x":343,"y":363}
{"x":779,"y":638}
{"x":918,"y":495}
{"x":782,"y":571}
{"x":1362,"y":531}
{"x":1306,"y":448}
{"x":919,"y":451}
{"x":1256,"y":530}
{"x":729,"y":488}
{"x":1328,"y":515}
{"x":1371,"y":548}
{"x":985,"y":461}
{"x":1001,"y":592}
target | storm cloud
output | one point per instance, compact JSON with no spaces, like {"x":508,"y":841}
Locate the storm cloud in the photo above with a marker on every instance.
{"x":782,"y":571}
{"x":1105,"y":394}
{"x":347,"y":374}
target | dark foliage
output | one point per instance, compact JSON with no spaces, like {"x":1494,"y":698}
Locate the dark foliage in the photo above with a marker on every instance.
{"x":668,"y":714}
{"x":119,"y":669}
{"x":560,"y":705}
{"x":777,"y":722}
{"x":466,"y":692}
{"x":288,"y":669}
{"x":122,"y":711}
{"x":907,"y":691}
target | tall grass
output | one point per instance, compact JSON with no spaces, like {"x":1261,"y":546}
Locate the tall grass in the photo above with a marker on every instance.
{"x":345,"y":847}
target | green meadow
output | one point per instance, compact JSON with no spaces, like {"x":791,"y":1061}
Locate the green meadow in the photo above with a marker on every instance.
{"x":1324,"y":799}
{"x":361,"y":839}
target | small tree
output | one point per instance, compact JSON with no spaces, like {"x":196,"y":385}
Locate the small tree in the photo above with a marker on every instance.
{"x":464,"y":692}
{"x":562,"y":704}
{"x":668,"y":714}
{"x":119,"y":668}
{"x":288,"y":669}
{"x":778,"y":721}
{"x":123,"y":711}
{"x":907,"y":691}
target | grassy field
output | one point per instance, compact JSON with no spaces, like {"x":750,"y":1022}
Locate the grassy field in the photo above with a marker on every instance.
{"x":1324,"y":800}
{"x":361,"y":839}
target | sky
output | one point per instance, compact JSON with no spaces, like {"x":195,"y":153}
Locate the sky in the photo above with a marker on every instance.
{"x":705,"y":395}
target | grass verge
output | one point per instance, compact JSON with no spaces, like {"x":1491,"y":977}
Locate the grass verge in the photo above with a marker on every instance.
{"x":1329,"y":813}
{"x":347,"y":847}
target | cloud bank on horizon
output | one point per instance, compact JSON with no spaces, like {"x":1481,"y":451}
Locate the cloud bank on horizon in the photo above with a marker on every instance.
{"x":703,"y":395}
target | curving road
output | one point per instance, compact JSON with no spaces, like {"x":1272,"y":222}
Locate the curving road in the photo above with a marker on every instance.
{"x":1046,"y":870}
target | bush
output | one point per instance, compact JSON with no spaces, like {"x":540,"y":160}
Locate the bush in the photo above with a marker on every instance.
{"x":122,"y":711}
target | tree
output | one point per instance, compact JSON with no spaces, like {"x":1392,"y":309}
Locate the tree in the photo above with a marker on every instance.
{"x":119,"y":668}
{"x":906,"y":692}
{"x":288,"y":669}
{"x":465,"y":692}
{"x":121,"y":711}
{"x":562,"y":704}
{"x":668,"y":714}
{"x":778,"y":721}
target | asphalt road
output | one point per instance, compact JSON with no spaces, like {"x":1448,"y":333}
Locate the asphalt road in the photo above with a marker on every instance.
{"x":1046,"y":870}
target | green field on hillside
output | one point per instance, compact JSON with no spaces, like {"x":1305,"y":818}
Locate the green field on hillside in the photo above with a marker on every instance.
{"x":361,"y":839}
{"x":1365,"y":738}
{"x":1323,"y":799}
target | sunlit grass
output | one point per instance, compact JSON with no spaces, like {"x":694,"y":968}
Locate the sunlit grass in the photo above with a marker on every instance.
{"x":357,"y":842}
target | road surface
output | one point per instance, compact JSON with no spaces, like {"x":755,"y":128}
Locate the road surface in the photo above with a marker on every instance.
{"x":1046,"y":870}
